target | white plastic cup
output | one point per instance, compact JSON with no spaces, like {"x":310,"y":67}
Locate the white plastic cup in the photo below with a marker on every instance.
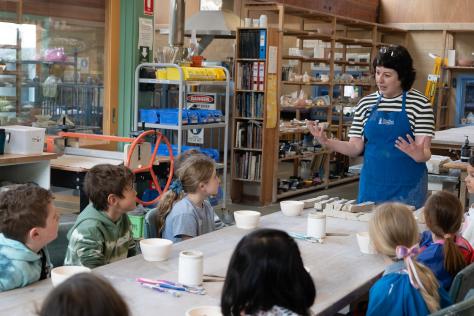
{"x":365,"y":244}
{"x":247,"y":22}
{"x":316,"y":226}
{"x":190,"y":268}
{"x":263,"y":21}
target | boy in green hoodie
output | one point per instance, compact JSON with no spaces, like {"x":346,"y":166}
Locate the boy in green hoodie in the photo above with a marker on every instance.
{"x":102,"y":233}
{"x":28,"y":222}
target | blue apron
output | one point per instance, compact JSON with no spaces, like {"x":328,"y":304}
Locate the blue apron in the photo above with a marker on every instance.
{"x":389,"y":174}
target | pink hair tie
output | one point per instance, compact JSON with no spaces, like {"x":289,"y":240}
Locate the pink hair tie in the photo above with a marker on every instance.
{"x":405,"y":253}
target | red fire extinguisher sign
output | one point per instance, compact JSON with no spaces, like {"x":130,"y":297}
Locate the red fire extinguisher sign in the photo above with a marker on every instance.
{"x":148,"y":7}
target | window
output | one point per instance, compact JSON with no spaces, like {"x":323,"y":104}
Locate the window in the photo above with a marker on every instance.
{"x":52,"y":54}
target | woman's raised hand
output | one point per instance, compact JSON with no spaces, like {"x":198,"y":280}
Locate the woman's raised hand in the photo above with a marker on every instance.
{"x":317,"y":130}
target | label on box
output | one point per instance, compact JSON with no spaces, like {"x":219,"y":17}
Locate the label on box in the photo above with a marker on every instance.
{"x":205,"y":101}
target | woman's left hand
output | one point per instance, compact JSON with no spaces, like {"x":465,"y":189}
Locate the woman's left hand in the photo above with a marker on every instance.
{"x":416,"y":150}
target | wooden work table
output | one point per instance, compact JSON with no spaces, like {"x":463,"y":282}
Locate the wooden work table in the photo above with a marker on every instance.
{"x":27,"y":168}
{"x":340,"y":271}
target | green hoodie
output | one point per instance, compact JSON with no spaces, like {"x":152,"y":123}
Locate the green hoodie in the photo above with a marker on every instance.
{"x":95,"y":239}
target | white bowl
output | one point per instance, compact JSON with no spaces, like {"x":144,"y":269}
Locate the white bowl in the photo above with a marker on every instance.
{"x":365,"y":245}
{"x":204,"y":311}
{"x":155,"y":249}
{"x":60,"y":274}
{"x":291,"y":208}
{"x":246,"y":219}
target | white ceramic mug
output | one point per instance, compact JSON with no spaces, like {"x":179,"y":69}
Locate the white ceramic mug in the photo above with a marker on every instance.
{"x":316,"y":226}
{"x":190,"y":268}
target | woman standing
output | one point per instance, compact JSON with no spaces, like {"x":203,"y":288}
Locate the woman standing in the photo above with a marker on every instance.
{"x":392,"y":128}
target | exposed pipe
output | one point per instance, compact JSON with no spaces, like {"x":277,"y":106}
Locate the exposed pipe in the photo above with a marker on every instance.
{"x":176,"y":34}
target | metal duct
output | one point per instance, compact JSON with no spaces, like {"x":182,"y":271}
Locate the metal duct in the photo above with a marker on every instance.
{"x":176,"y":30}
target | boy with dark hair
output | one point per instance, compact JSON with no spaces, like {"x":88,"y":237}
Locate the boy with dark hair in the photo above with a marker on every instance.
{"x":102,"y":233}
{"x":28,"y":222}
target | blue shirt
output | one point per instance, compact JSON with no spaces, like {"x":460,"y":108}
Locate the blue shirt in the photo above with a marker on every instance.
{"x":393,"y":295}
{"x":432,"y":256}
{"x":187,"y":219}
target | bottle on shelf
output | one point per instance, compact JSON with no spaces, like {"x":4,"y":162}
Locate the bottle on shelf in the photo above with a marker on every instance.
{"x":465,"y":150}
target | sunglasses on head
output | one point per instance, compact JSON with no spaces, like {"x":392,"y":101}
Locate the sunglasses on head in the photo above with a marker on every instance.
{"x":388,"y":51}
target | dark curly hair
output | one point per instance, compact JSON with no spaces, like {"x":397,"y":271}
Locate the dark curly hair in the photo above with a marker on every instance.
{"x":106,"y":179}
{"x":266,"y":270}
{"x":397,"y":58}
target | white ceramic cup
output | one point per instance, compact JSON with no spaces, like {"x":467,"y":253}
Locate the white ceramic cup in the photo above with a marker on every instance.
{"x":204,"y":311}
{"x":190,"y":268}
{"x":60,"y":274}
{"x":255,"y":23}
{"x":247,"y":22}
{"x":365,"y":244}
{"x":155,"y":249}
{"x":292,"y":208}
{"x":247,"y":219}
{"x":316,"y":226}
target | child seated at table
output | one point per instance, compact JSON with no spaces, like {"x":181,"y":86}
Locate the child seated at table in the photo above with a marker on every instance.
{"x":28,"y":222}
{"x":468,"y":226}
{"x":84,"y":294}
{"x":406,"y":287}
{"x":102,"y":233}
{"x":184,"y":211}
{"x":266,"y":277}
{"x":443,"y":249}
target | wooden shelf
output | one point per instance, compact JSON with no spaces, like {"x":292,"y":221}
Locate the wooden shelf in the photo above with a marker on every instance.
{"x":243,"y":90}
{"x":303,"y":156}
{"x":343,"y":180}
{"x":247,"y":149}
{"x":300,"y":191}
{"x":316,"y":83}
{"x":250,"y":59}
{"x":353,"y":41}
{"x":4,"y":46}
{"x":306,"y":59}
{"x":246,"y":180}
{"x":460,"y":68}
{"x":249,"y":118}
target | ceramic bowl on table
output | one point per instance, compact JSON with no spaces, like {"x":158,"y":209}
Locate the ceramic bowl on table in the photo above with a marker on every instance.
{"x":365,"y":244}
{"x":60,"y":274}
{"x":155,"y":249}
{"x":291,"y":208}
{"x":204,"y":311}
{"x":247,"y":219}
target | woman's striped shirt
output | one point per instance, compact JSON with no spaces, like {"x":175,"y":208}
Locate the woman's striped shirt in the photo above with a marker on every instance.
{"x":418,"y":108}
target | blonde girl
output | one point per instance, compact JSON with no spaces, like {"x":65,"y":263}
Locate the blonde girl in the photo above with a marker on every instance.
{"x":444,"y":250}
{"x":184,"y":211}
{"x":406,"y":287}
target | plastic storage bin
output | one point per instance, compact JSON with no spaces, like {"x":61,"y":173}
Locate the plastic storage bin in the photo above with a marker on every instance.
{"x":24,"y":140}
{"x":149,"y":116}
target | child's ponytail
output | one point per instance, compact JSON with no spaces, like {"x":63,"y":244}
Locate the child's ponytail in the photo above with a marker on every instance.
{"x":453,"y":259}
{"x":429,"y":288}
{"x":174,"y":193}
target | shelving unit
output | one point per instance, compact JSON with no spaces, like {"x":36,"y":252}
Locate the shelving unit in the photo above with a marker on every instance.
{"x":343,"y":35}
{"x":255,"y":119}
{"x":444,"y":111}
{"x":176,"y":132}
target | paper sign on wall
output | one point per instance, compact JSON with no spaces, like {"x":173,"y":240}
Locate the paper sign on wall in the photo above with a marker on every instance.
{"x":145,"y":32}
{"x":196,"y":136}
